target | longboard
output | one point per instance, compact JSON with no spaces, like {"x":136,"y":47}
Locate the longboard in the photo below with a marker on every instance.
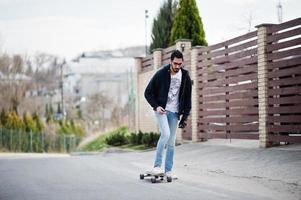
{"x":155,"y":177}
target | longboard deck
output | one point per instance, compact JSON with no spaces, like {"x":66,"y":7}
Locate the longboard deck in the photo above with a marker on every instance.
{"x":155,"y":177}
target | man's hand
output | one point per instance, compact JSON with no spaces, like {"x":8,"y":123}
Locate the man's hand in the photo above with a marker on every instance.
{"x":160,"y":110}
{"x":182,"y":123}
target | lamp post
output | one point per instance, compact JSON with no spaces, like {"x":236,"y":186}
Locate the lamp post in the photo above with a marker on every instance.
{"x":146,"y":16}
{"x":62,"y":88}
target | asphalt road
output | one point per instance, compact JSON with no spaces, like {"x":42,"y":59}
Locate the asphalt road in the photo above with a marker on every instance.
{"x":205,"y":171}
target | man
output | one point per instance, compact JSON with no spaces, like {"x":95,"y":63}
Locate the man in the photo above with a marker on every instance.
{"x":169,"y":94}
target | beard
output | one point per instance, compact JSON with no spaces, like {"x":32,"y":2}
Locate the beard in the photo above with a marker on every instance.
{"x":176,"y":69}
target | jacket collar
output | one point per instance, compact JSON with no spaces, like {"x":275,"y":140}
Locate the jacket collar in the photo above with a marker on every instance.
{"x":167,"y":69}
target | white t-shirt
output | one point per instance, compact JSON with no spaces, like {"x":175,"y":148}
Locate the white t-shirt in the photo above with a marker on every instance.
{"x":173,"y":93}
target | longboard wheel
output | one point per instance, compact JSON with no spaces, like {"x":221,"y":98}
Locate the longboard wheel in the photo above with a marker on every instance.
{"x":153,"y":180}
{"x":141,"y":176}
{"x":169,"y":179}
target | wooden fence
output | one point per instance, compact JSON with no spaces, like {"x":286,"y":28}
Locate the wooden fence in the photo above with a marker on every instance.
{"x":227,"y":80}
{"x":248,"y":87}
{"x":284,"y":81}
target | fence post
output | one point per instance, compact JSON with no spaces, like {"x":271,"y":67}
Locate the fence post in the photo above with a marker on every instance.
{"x":30,"y":142}
{"x":64,"y":142}
{"x":194,"y":93}
{"x":10,"y":139}
{"x":1,"y":138}
{"x":42,"y":142}
{"x":263,"y":85}
{"x":19,"y":141}
{"x":74,"y":142}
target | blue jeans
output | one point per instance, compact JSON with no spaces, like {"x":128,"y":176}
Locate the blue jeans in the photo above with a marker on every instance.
{"x":167,"y":124}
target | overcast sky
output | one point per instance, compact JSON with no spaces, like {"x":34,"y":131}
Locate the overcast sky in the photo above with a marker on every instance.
{"x":69,"y":27}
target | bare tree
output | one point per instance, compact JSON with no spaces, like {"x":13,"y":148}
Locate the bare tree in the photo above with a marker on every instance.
{"x":13,"y":85}
{"x":98,"y":105}
{"x":19,"y":75}
{"x":248,"y":22}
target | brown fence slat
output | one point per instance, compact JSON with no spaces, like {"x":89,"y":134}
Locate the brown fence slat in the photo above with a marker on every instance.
{"x":233,"y":57}
{"x":230,"y":42}
{"x":248,"y":136}
{"x":241,"y":95}
{"x":251,"y":127}
{"x":147,"y":69}
{"x":285,"y":100}
{"x":169,"y":49}
{"x":248,"y":102}
{"x":285,"y":25}
{"x":230,"y":88}
{"x":231,"y":80}
{"x":241,"y":119}
{"x":166,"y":56}
{"x":283,"y":54}
{"x":146,"y":63}
{"x":225,"y":51}
{"x":245,"y":111}
{"x":286,"y":90}
{"x":238,"y":63}
{"x":285,"y":63}
{"x":230,"y":72}
{"x":284,"y":138}
{"x":285,"y":72}
{"x":223,"y":82}
{"x":284,"y":128}
{"x":284,"y":35}
{"x":289,"y":118}
{"x":284,"y":110}
{"x":282,"y":45}
{"x":149,"y":57}
{"x":285,"y":81}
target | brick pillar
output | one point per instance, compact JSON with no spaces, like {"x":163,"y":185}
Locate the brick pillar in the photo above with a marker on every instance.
{"x":194,"y":93}
{"x":157,"y":55}
{"x":263,"y":85}
{"x":138,"y":65}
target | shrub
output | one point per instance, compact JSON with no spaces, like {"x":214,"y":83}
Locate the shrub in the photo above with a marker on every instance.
{"x":118,"y":137}
{"x":70,"y":128}
{"x":136,"y":139}
{"x":150,"y":139}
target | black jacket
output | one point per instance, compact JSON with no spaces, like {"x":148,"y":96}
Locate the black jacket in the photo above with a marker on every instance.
{"x":156,"y":92}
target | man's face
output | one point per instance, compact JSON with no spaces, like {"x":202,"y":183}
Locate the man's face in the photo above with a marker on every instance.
{"x":176,"y":64}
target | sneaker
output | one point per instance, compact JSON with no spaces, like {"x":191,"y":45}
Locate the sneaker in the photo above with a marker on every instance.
{"x":157,"y":170}
{"x":170,"y":174}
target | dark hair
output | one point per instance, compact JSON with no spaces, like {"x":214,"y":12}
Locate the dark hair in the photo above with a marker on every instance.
{"x":177,"y":54}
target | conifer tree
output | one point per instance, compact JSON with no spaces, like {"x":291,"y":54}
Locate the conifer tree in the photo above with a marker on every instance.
{"x":162,"y":25}
{"x":188,"y":24}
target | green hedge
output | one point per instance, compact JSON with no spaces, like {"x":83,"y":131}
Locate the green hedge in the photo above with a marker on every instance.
{"x":118,"y":137}
{"x":121,"y":136}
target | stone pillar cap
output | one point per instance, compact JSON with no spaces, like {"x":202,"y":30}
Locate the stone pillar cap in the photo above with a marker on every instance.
{"x":264,"y":25}
{"x":157,"y":49}
{"x":183,"y":40}
{"x":197,"y":47}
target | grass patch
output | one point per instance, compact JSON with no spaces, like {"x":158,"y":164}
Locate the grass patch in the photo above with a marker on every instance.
{"x":136,"y":147}
{"x":96,"y":145}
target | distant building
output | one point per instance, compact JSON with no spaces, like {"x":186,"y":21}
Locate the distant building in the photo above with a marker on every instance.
{"x":105,"y":72}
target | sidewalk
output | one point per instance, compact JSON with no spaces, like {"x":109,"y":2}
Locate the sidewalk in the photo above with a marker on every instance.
{"x":4,"y":155}
{"x":242,"y":166}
